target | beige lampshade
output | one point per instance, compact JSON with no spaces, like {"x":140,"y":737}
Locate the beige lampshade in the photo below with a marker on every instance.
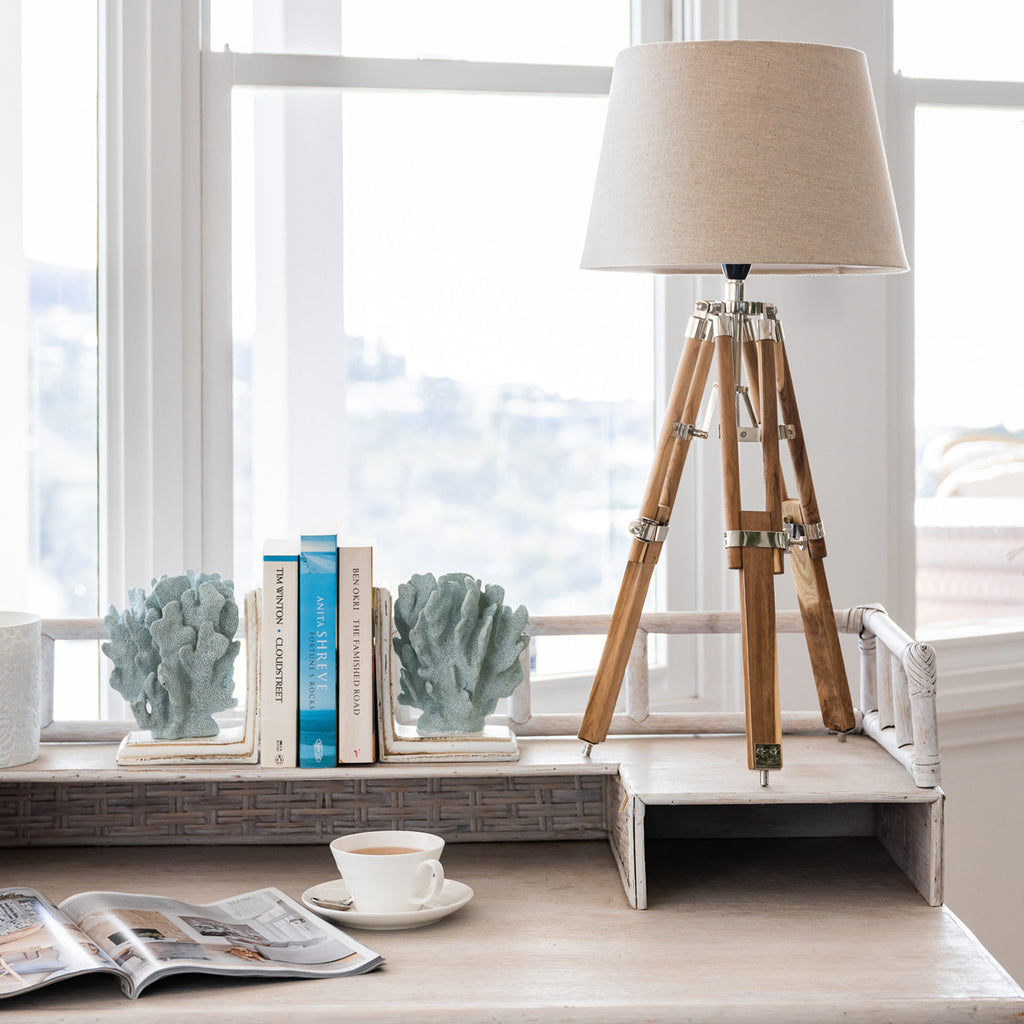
{"x":723,"y":151}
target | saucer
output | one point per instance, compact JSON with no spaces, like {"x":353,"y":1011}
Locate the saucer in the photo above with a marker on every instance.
{"x":452,"y":896}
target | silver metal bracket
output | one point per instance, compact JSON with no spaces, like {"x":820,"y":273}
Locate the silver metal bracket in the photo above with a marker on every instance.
{"x":767,"y":756}
{"x":699,"y":327}
{"x":786,"y":433}
{"x":687,"y":431}
{"x":753,"y":432}
{"x":772,"y":315}
{"x":795,"y":535}
{"x":798,"y":534}
{"x":648,"y":530}
{"x":741,"y":307}
{"x":721,"y":324}
{"x":757,"y":539}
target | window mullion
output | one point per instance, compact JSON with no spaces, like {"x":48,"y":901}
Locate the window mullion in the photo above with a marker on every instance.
{"x":149,"y":296}
{"x":951,"y":92}
{"x":218,"y":430}
{"x":902,"y":571}
{"x":283,"y":70}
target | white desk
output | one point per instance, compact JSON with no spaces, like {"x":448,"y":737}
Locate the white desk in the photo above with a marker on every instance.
{"x":804,"y":931}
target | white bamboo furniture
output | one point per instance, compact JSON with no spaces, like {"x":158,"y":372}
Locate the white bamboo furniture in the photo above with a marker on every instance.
{"x":881,"y":783}
{"x":803,"y":932}
{"x":897,"y":683}
{"x":898,"y":678}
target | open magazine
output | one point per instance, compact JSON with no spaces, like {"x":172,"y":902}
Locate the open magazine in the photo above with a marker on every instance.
{"x":142,"y":938}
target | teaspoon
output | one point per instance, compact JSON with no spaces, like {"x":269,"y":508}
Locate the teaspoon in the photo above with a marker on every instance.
{"x":345,"y":904}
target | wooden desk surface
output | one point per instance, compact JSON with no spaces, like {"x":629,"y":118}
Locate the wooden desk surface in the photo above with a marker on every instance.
{"x":794,"y":931}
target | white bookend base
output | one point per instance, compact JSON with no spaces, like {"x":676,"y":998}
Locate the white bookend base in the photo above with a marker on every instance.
{"x":493,"y":743}
{"x":230,"y":746}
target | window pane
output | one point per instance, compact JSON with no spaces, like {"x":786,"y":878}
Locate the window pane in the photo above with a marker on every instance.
{"x":420,"y":357}
{"x":528,"y":31}
{"x":950,"y":39}
{"x":276,"y":26}
{"x":969,"y":362}
{"x":59,"y":343}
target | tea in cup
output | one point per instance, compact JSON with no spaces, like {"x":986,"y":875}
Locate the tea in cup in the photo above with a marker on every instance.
{"x":390,"y":872}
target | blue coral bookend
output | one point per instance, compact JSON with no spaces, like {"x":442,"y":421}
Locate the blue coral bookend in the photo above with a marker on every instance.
{"x":173,"y":653}
{"x":458,"y":650}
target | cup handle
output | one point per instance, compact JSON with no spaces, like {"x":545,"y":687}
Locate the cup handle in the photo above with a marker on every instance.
{"x":436,"y":881}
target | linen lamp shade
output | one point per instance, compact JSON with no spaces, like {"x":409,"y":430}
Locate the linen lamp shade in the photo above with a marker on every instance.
{"x":743,"y":152}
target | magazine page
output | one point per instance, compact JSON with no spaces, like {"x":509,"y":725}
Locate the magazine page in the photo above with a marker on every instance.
{"x":39,"y":945}
{"x":262,"y":932}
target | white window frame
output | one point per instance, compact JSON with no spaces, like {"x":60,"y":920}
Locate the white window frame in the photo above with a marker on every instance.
{"x":221,"y":71}
{"x":908,"y":95}
{"x":986,"y":664}
{"x":164,"y":297}
{"x":152,"y":390}
{"x":165,"y":270}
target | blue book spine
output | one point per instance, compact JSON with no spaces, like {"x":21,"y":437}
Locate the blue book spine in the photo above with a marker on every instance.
{"x":318,"y":651}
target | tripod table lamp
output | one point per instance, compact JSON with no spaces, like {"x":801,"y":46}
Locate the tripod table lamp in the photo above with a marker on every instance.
{"x":745,"y":157}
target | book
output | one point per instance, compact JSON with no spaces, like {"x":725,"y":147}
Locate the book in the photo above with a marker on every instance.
{"x":355,"y":656}
{"x":141,"y":939}
{"x":383,"y":627}
{"x":318,"y":651}
{"x":279,"y":655}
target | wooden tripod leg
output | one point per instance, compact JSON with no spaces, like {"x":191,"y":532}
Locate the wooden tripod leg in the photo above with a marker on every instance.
{"x":769,"y":413}
{"x":808,"y":565}
{"x":751,"y":359}
{"x":760,"y":659}
{"x":798,"y":453}
{"x":684,"y":404}
{"x":757,"y":580}
{"x":821,"y":633}
{"x":729,"y":446}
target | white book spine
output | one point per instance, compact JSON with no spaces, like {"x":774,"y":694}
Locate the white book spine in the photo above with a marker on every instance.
{"x":279,"y":655}
{"x":355,"y":656}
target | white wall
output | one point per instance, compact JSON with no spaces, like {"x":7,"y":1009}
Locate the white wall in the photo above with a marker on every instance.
{"x":981,"y":734}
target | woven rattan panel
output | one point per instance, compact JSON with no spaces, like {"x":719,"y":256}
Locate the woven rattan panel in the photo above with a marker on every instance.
{"x":299,"y":811}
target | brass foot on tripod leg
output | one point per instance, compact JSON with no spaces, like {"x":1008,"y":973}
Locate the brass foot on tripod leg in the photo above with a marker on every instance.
{"x":587,"y":748}
{"x":764,"y":778}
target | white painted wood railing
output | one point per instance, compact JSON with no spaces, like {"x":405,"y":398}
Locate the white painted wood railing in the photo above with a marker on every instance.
{"x":897,"y":675}
{"x":897,"y":684}
{"x":53,"y":731}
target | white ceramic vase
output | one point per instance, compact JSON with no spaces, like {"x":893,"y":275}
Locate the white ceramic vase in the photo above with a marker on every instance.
{"x":19,"y":688}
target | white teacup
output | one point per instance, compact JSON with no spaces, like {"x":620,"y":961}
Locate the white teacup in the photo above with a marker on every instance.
{"x":390,"y":872}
